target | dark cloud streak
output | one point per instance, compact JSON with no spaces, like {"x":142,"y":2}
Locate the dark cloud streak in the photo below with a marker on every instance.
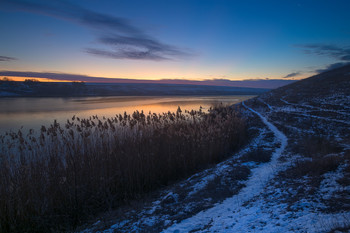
{"x":339,"y":53}
{"x":5,"y":58}
{"x":291,"y":75}
{"x":138,"y":48}
{"x":124,"y":54}
{"x":121,"y":39}
{"x":74,"y":13}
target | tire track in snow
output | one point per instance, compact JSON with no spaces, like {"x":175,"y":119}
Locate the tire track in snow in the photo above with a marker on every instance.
{"x":220,"y":217}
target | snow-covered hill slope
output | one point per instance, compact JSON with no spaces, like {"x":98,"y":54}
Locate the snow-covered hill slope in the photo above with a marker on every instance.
{"x":294,"y":176}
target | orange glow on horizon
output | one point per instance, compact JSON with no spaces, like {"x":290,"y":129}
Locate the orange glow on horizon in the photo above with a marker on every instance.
{"x":21,"y":79}
{"x":139,"y":80}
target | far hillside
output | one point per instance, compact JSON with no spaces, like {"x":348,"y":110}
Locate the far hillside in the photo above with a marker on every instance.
{"x":317,"y":90}
{"x":34,"y":88}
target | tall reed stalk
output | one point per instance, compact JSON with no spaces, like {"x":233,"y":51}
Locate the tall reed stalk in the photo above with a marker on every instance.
{"x":54,"y":179}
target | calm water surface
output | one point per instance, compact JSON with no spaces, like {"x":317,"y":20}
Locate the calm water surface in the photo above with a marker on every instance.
{"x":32,"y":113}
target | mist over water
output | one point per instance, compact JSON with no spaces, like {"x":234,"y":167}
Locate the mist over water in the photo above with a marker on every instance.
{"x":32,"y":113}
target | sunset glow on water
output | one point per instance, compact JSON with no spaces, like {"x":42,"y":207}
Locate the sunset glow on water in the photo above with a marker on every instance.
{"x":32,"y":113}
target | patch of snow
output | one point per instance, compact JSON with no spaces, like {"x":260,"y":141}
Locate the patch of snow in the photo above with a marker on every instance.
{"x":261,"y":215}
{"x":324,"y":118}
{"x":286,"y":102}
{"x":314,"y":107}
{"x":115,"y":226}
{"x":269,"y":106}
{"x":155,"y":206}
{"x":329,"y":184}
{"x":150,"y":221}
{"x":298,"y":130}
{"x":96,"y":223}
{"x":202,"y":184}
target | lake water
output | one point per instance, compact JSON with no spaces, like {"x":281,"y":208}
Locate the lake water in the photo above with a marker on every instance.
{"x":32,"y":113}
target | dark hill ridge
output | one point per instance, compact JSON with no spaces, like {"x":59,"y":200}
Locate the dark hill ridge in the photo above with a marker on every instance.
{"x":45,"y":89}
{"x":329,"y":84}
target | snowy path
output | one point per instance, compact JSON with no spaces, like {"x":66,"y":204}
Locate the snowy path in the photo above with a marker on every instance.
{"x":224,"y":216}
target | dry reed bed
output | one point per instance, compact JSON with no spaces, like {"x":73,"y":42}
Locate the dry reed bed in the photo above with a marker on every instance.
{"x":54,"y":179}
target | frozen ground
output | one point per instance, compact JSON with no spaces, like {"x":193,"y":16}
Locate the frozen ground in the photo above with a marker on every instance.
{"x":303,"y":186}
{"x":260,"y":202}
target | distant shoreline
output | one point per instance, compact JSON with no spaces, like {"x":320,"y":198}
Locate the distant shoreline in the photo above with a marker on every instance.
{"x":10,"y":89}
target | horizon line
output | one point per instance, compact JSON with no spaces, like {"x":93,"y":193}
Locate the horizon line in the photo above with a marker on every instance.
{"x":66,"y":77}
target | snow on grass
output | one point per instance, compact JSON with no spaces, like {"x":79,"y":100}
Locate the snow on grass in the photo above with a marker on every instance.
{"x":225,"y":216}
{"x":298,"y":110}
{"x":117,"y":225}
{"x":201,"y":184}
{"x":329,"y":184}
{"x":269,"y":106}
{"x":267,"y":215}
{"x":290,"y":108}
{"x":264,"y":217}
{"x":323,"y":118}
{"x":298,"y":130}
{"x":314,"y":107}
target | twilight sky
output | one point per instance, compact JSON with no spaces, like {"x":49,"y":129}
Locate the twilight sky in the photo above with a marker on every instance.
{"x":174,"y":39}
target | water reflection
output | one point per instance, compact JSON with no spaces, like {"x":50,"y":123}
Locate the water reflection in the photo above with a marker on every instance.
{"x":31,"y":113}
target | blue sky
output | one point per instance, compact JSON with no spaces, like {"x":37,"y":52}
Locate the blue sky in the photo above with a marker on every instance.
{"x":168,"y":39}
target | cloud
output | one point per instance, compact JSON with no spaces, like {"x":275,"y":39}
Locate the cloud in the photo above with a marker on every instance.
{"x":292,"y":75}
{"x":121,"y":39}
{"x":137,"y":48}
{"x":127,"y":54}
{"x":74,"y":13}
{"x":340,"y":54}
{"x":346,"y":58}
{"x":333,"y":51}
{"x":5,"y":58}
{"x":332,"y":66}
{"x":53,"y":76}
